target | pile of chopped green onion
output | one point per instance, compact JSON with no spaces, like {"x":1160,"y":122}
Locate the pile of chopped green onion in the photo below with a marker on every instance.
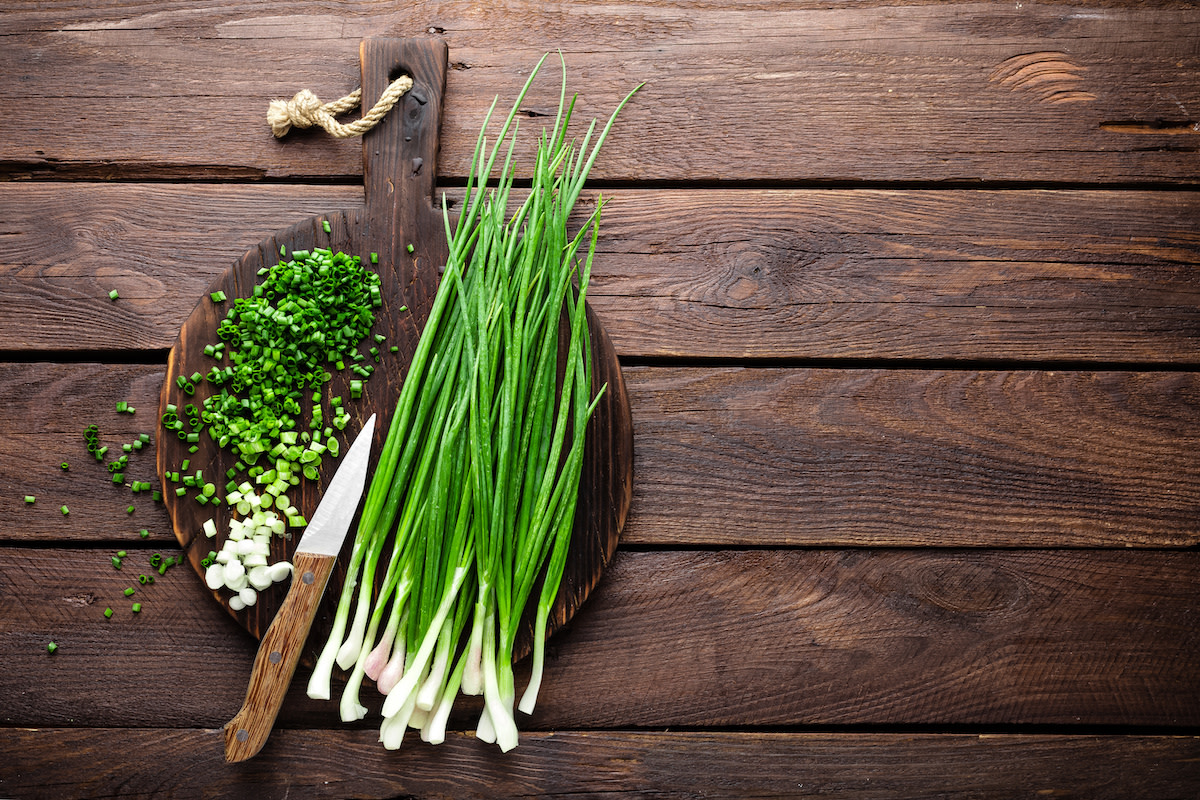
{"x":278,"y":349}
{"x":470,"y":510}
{"x":309,"y":312}
{"x":307,"y":317}
{"x":241,"y":564}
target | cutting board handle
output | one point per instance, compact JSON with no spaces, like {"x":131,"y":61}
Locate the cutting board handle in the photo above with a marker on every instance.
{"x":400,"y":157}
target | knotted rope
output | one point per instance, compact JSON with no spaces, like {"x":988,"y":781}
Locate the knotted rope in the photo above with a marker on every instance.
{"x":306,"y":110}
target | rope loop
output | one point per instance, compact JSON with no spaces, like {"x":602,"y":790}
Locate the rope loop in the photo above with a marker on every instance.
{"x":305,"y":110}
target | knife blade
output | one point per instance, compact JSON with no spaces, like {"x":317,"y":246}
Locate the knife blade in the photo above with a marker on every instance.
{"x":312,"y":563}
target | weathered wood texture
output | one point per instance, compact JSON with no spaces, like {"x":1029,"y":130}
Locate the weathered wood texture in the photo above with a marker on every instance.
{"x":187,"y":764}
{"x":907,"y":299}
{"x":46,"y":408}
{"x":759,"y":457}
{"x":921,"y":457}
{"x":957,"y":91}
{"x":693,"y":639}
{"x":1048,"y":276}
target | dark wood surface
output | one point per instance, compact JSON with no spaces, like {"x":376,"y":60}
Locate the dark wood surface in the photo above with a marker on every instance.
{"x":905,"y":300}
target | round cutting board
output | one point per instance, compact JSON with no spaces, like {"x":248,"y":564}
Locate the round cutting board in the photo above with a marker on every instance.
{"x":399,"y":169}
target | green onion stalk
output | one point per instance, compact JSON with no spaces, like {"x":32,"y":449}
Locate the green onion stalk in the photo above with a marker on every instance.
{"x":472,"y":505}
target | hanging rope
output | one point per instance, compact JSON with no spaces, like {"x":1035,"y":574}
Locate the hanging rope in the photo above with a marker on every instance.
{"x":305,"y":110}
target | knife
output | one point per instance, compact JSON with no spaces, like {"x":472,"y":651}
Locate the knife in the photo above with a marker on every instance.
{"x":312,"y":564}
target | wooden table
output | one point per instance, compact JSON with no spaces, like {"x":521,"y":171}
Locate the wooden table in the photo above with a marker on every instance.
{"x":908,"y":304}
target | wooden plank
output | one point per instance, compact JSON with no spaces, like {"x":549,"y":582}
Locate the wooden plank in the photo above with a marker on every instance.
{"x":47,"y":407}
{"x":64,"y":248}
{"x":1048,"y":276}
{"x":694,"y":639}
{"x":865,"y":274}
{"x":870,"y":91}
{"x":914,"y":457}
{"x":944,"y":458}
{"x":187,"y":764}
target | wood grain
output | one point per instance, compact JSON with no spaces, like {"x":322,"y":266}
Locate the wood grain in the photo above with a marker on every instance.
{"x":910,"y":288}
{"x":278,"y":655}
{"x":47,"y":406}
{"x":577,"y":764}
{"x":765,"y":638}
{"x":752,"y":457}
{"x":916,"y":457}
{"x":870,"y":91}
{"x":1047,"y":276}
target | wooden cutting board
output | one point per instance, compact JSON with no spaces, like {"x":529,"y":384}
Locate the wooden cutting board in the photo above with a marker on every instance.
{"x":400,"y":160}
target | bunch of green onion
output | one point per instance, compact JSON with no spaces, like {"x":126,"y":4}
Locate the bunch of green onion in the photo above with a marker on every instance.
{"x":470,"y":510}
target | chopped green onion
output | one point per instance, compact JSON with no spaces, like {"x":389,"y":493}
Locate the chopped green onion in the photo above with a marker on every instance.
{"x":137,"y":607}
{"x":108,"y":612}
{"x":145,"y":534}
{"x":113,"y":295}
{"x":50,"y":648}
{"x":30,"y":499}
{"x":409,"y":247}
{"x":306,"y":313}
{"x":325,"y":225}
{"x":129,"y":591}
{"x":65,"y":511}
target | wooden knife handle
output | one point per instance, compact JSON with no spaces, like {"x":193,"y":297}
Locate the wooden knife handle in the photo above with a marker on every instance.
{"x":278,"y":654}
